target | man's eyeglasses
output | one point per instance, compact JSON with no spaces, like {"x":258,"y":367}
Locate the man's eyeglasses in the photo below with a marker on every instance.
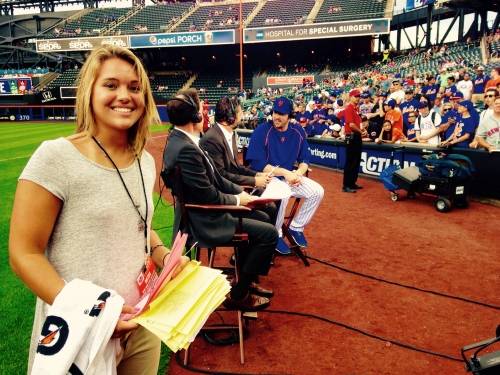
{"x":446,"y":109}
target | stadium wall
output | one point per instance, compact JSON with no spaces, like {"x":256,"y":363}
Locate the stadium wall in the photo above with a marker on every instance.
{"x":375,"y":158}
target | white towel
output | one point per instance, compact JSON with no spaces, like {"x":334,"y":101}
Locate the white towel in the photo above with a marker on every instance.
{"x":76,"y":333}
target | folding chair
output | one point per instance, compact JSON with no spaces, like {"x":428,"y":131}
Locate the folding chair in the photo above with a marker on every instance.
{"x":239,"y":240}
{"x":286,"y":230}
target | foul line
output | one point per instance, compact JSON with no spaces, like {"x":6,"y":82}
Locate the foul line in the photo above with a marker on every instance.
{"x":18,"y":157}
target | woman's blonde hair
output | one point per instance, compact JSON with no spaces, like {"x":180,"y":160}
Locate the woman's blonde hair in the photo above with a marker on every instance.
{"x":85,"y":121}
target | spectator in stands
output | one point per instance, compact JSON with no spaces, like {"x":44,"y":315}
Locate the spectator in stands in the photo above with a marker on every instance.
{"x":462,"y":132}
{"x":466,"y":87}
{"x":366,"y":105}
{"x":479,"y":83}
{"x":410,"y":135}
{"x":427,"y":126}
{"x":488,"y":132}
{"x":494,"y":80}
{"x":81,"y":204}
{"x":450,"y":89}
{"x":393,"y":115}
{"x":397,"y":92}
{"x":489,"y":98}
{"x":389,"y":134}
{"x":277,"y":147}
{"x":409,"y":105}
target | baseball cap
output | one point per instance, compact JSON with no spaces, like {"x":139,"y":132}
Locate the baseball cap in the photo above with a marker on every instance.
{"x":409,"y":90}
{"x":283,"y":106}
{"x":354,"y":92}
{"x":467,"y":104}
{"x":391,"y":103}
{"x":365,"y":95}
{"x":457,"y":95}
{"x":480,"y":67}
{"x":335,"y":127}
{"x":383,"y":93}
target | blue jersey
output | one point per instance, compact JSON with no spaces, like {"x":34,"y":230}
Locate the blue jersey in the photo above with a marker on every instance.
{"x":462,"y":126}
{"x":271,"y":146}
{"x":479,"y":83}
{"x":319,"y":114}
{"x":430,"y":91}
{"x":407,"y":107}
{"x":451,"y":90}
{"x":315,"y":128}
{"x":303,"y":117}
{"x":410,"y":131}
{"x":450,"y":114}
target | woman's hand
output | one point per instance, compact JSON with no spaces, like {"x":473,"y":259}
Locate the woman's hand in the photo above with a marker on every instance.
{"x":184,"y":260}
{"x":123,"y":327}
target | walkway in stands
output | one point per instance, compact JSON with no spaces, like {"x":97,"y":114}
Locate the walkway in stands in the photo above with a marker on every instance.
{"x":408,"y":242}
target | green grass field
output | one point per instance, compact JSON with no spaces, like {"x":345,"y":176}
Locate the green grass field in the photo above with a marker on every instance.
{"x":17,"y":143}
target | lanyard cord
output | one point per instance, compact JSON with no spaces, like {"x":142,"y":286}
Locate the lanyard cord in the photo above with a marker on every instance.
{"x":144,"y":219}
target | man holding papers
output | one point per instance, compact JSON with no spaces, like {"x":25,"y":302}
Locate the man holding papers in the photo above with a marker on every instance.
{"x":202,"y":184}
{"x":278,"y":146}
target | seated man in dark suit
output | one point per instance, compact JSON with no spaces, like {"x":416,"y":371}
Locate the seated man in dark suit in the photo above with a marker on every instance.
{"x":202,"y":184}
{"x":220,"y":143}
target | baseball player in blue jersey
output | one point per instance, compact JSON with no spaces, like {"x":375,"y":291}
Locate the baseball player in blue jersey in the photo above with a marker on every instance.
{"x":277,"y":147}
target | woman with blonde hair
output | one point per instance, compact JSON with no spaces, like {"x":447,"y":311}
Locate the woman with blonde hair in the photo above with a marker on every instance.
{"x":83,"y":205}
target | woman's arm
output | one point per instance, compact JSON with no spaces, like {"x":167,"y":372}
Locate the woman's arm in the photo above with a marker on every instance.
{"x":31,"y":226}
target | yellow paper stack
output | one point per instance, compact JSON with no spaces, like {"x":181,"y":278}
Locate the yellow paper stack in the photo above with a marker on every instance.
{"x":184,"y":304}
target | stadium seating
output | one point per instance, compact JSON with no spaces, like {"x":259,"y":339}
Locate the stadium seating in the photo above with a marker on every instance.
{"x":165,"y":86}
{"x":282,"y":12}
{"x":156,"y":18}
{"x":213,"y":86}
{"x":494,"y":49}
{"x":343,"y":10}
{"x":66,"y":79}
{"x":219,"y":14}
{"x":89,"y":24}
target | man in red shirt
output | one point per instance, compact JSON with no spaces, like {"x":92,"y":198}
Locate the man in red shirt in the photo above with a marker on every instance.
{"x":352,"y":129}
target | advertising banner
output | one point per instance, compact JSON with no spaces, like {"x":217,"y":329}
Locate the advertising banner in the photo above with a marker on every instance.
{"x":48,"y":96}
{"x":317,"y":31}
{"x":288,"y":80}
{"x":196,"y":38}
{"x":79,"y":44}
{"x":15,"y":86}
{"x":412,"y":4}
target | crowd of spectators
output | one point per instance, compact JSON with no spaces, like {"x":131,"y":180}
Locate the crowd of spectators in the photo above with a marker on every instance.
{"x":453,"y":107}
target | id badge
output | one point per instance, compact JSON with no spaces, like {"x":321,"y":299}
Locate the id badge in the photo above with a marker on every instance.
{"x":147,"y":277}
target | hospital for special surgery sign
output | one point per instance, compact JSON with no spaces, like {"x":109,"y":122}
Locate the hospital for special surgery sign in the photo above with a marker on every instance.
{"x":317,"y":31}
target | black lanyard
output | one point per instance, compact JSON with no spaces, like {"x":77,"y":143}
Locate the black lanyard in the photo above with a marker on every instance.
{"x":144,"y":219}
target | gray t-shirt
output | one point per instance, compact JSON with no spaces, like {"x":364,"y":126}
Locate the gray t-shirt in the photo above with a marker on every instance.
{"x":96,"y":236}
{"x":489,"y":129}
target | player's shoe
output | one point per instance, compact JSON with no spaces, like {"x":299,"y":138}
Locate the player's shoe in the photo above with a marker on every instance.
{"x":299,"y":238}
{"x":282,"y":248}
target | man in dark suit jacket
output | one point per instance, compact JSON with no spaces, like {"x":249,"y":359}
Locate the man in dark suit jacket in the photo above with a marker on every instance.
{"x":201,"y":183}
{"x":220,"y":143}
